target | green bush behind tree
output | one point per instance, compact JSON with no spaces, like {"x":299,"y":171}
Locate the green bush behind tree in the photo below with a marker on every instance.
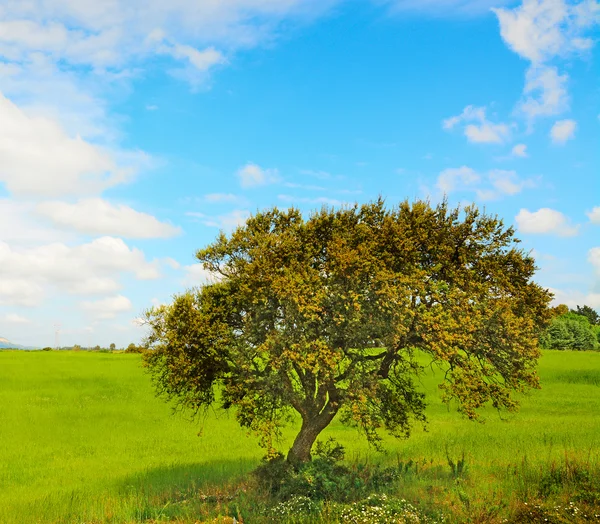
{"x":577,"y":330}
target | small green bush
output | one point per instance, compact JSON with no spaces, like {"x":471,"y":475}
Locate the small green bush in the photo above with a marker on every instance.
{"x":325,"y":478}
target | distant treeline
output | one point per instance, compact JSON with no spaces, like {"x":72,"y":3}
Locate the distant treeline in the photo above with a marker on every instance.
{"x":131,"y":348}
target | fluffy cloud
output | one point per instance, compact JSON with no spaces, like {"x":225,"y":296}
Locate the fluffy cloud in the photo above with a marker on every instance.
{"x":20,"y":292}
{"x":520,"y":150}
{"x":493,"y":185}
{"x":38,"y":158}
{"x":545,"y":93}
{"x":483,"y":131}
{"x":20,"y":226}
{"x":112,"y":35}
{"x":252,"y":175}
{"x":539,"y":31}
{"x":594,"y":215}
{"x":507,"y":183}
{"x":26,"y":275}
{"x":453,"y":179}
{"x":562,"y":131}
{"x":545,"y":221}
{"x":108,"y":307}
{"x":98,"y":217}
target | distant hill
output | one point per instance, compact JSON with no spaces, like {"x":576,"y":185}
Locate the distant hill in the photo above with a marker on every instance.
{"x":5,"y":344}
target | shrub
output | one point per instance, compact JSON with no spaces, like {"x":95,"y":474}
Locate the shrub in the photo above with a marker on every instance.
{"x":570,"y":331}
{"x":325,"y":478}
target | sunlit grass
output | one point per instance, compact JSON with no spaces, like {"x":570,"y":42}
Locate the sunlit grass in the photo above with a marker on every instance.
{"x":83,"y":439}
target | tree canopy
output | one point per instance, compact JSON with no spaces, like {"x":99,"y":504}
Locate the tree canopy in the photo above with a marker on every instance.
{"x":326,"y":315}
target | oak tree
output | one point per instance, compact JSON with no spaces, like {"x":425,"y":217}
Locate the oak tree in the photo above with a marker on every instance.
{"x":330,"y":315}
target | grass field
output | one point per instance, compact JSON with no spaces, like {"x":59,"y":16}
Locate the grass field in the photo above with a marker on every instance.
{"x":83,"y":439}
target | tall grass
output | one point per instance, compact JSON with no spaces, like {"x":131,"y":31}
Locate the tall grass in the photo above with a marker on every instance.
{"x":83,"y":439}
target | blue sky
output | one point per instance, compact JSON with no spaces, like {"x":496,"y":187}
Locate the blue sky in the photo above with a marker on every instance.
{"x":131,"y":132}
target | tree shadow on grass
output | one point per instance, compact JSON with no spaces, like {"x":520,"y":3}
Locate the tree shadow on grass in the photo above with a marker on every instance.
{"x":184,"y":490}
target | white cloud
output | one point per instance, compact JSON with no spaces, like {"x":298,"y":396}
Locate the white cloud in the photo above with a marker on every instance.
{"x":27,"y":275}
{"x":539,"y":30}
{"x":562,"y":131}
{"x":594,"y":215}
{"x":201,"y":60}
{"x":252,"y":175}
{"x":13,"y":318}
{"x":574,"y":298}
{"x":454,"y":179}
{"x":197,"y":63}
{"x":108,"y":307}
{"x":20,"y":292}
{"x":484,"y":131}
{"x":495,"y":184}
{"x":38,"y":158}
{"x":520,"y":150}
{"x":20,"y":226}
{"x":98,"y":217}
{"x":545,"y":221}
{"x":545,"y":93}
{"x":508,"y":182}
{"x":111,"y":35}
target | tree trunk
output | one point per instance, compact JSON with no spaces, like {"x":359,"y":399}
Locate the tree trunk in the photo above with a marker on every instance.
{"x":311,"y":427}
{"x":300,"y":450}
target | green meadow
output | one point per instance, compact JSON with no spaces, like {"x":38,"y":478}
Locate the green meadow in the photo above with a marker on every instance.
{"x":83,"y":439}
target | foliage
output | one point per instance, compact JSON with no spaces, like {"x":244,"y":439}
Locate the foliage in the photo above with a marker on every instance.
{"x":559,"y":310}
{"x":132,"y":348}
{"x":325,"y":478}
{"x":323,"y":316}
{"x":570,"y":331}
{"x":588,"y":312}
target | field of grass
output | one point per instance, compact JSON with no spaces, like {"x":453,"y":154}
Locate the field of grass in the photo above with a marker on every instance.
{"x":83,"y":439}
